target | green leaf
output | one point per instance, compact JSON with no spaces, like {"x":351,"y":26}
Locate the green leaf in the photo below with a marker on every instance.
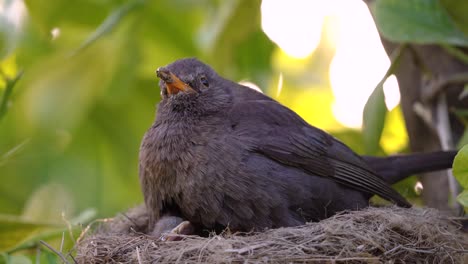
{"x":114,"y":18}
{"x":417,"y":21}
{"x":233,"y":26}
{"x":374,"y":115}
{"x":65,"y":89}
{"x":10,"y":84}
{"x":15,"y":259}
{"x":462,"y":198}
{"x":47,"y":14}
{"x":48,"y":203}
{"x":375,"y":109}
{"x":458,"y":10}
{"x":15,"y":231}
{"x":84,"y":217}
{"x":463,"y":140}
{"x":464,"y":93}
{"x":460,"y":167}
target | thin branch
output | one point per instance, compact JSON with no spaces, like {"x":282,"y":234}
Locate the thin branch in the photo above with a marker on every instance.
{"x":9,"y":154}
{"x":129,"y":219}
{"x":456,"y":52}
{"x":108,"y":24}
{"x":10,"y":84}
{"x":83,"y":233}
{"x":425,"y":114}
{"x":444,"y":131}
{"x":138,"y":255}
{"x":55,"y":251}
{"x":38,"y":254}
{"x":436,"y":87}
{"x":63,"y":240}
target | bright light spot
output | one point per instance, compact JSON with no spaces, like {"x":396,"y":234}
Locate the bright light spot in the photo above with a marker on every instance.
{"x":14,"y":12}
{"x":251,"y":85}
{"x":360,"y":61}
{"x":12,"y":16}
{"x":359,"y":64}
{"x":280,"y":85}
{"x":294,"y":25}
{"x":55,"y":32}
{"x":392,"y":94}
{"x":418,"y":187}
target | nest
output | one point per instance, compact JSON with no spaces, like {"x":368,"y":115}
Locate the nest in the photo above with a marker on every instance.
{"x":373,"y":235}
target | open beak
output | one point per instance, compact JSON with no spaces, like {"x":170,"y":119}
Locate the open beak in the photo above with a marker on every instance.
{"x":173,"y":83}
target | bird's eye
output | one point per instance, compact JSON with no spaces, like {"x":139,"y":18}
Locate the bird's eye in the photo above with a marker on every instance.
{"x":204,"y":81}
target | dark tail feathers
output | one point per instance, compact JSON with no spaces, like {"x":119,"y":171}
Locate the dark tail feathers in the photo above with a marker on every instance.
{"x":396,"y":168}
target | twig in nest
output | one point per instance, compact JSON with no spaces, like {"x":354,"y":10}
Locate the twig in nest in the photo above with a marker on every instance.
{"x":138,"y":255}
{"x":372,"y":235}
{"x":129,"y":218}
{"x":55,"y":251}
{"x":246,"y":249}
{"x":83,"y":233}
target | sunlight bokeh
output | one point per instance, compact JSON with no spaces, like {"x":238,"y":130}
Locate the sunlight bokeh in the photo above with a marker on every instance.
{"x":294,"y":25}
{"x":359,"y":62}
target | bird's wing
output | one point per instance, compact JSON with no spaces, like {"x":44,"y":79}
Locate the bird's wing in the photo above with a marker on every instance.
{"x":280,"y":134}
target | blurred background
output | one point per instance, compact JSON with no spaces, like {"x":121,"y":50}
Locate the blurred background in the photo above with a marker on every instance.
{"x":78,"y":90}
{"x":88,"y":93}
{"x":78,"y":86}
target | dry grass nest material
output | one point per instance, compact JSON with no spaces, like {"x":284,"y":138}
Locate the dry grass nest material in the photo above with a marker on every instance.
{"x":372,"y":235}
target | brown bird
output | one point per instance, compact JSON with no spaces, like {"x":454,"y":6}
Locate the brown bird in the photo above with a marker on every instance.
{"x":220,"y":154}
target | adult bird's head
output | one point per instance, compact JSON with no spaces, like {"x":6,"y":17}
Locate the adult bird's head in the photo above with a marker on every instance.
{"x":190,"y":87}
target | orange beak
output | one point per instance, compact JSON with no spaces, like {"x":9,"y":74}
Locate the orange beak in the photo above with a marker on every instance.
{"x":173,"y":83}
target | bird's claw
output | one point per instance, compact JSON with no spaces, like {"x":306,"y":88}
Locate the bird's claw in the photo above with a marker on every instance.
{"x":178,"y":232}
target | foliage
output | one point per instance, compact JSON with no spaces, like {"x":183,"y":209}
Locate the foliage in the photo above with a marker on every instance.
{"x":72,"y":123}
{"x":422,"y":21}
{"x":442,"y":22}
{"x":460,"y":171}
{"x":375,"y":110}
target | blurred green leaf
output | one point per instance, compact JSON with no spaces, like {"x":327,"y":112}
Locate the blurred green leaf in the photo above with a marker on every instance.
{"x":460,"y":167}
{"x":4,"y":158}
{"x":49,"y":14}
{"x":456,"y":52}
{"x":464,"y":93}
{"x":462,"y":198}
{"x":417,"y":21}
{"x":463,"y":140}
{"x":64,"y":90}
{"x":232,"y":24}
{"x":50,"y":202}
{"x":15,"y":231}
{"x":15,"y":259}
{"x":458,"y":11}
{"x":375,"y":110}
{"x":374,"y":119}
{"x":10,"y":84}
{"x":462,"y":113}
{"x":84,"y":217}
{"x":114,"y":18}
